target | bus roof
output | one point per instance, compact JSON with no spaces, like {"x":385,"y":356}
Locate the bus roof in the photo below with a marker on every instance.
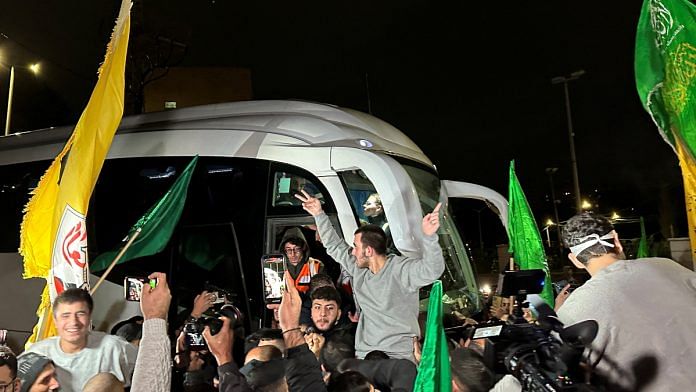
{"x":310,"y":123}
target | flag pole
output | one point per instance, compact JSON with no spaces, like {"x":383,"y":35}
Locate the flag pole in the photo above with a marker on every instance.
{"x":116,"y":259}
{"x":512,"y":297}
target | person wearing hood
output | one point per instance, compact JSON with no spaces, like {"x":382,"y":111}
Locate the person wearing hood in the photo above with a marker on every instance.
{"x":300,"y":265}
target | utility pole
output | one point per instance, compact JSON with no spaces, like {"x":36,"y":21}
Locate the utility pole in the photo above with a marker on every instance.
{"x":571,"y":135}
{"x":551,"y":171}
{"x":9,"y":102}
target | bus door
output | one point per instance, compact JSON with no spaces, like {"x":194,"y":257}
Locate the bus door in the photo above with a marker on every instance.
{"x":466,"y":190}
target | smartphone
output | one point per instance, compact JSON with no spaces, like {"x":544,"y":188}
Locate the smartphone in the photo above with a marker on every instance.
{"x":274,"y":266}
{"x":133,"y":287}
{"x":486,"y":331}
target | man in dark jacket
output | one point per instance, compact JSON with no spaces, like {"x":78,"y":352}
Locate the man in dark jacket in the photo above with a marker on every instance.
{"x":302,"y":371}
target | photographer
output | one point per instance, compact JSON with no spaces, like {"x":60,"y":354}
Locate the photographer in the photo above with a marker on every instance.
{"x":470,"y":374}
{"x":302,"y":369}
{"x":644,"y":309}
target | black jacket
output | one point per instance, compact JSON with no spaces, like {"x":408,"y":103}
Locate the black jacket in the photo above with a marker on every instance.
{"x":395,"y":375}
{"x":302,"y":372}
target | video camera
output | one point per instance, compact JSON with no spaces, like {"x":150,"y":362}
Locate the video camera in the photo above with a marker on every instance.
{"x":222,"y":306}
{"x":529,"y":351}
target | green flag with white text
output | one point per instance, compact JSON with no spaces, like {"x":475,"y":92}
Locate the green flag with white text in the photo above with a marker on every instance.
{"x":525,"y":240}
{"x":665,"y":68}
{"x":156,"y":226}
{"x":434,"y":374}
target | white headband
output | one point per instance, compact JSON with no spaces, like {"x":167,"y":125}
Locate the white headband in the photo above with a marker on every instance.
{"x":594,"y":239}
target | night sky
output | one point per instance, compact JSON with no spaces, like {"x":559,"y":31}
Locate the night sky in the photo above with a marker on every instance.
{"x":468,"y":82}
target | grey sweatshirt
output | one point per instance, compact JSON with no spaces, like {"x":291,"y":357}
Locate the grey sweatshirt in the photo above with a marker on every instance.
{"x":646,"y":310}
{"x":153,"y":369}
{"x":388,"y":299}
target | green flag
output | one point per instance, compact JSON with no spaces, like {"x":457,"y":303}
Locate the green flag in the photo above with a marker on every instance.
{"x":156,"y":226}
{"x":525,"y":240}
{"x":434,"y":368}
{"x":643,"y":244}
{"x":665,"y":68}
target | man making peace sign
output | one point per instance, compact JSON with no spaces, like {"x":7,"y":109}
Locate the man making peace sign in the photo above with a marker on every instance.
{"x":385,"y":286}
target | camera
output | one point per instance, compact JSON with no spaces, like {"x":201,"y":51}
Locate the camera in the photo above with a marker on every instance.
{"x":193,"y":330}
{"x":538,"y":358}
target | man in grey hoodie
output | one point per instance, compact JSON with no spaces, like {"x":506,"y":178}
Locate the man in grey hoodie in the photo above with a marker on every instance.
{"x":385,"y":286}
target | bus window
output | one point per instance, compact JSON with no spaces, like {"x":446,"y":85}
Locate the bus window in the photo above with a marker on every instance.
{"x":366,"y":203}
{"x":219,"y":238}
{"x":210,"y":253}
{"x":287,"y":185}
{"x":458,"y":281}
{"x":16,"y":182}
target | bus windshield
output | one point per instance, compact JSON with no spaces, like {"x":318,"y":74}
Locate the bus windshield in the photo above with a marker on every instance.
{"x":460,"y":292}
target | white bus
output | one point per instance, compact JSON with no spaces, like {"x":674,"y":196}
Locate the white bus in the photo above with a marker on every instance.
{"x":253,"y":157}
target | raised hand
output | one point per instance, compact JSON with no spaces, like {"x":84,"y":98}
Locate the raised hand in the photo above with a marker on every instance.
{"x":562,"y":297}
{"x":310,"y":204}
{"x":431,"y":221}
{"x":220,"y":345}
{"x":290,"y":305}
{"x":202,"y":303}
{"x":315,"y":342}
{"x":154,"y":301}
{"x":354,"y":317}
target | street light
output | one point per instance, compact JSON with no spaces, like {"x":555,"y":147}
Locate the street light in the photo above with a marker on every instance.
{"x":34,"y":68}
{"x":586,"y":205}
{"x":576,"y":182}
{"x":549,"y":223}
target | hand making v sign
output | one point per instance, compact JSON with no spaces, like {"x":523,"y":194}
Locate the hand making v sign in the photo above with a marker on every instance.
{"x":310,"y":204}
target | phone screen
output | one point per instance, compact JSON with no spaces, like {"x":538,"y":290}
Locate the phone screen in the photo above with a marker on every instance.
{"x":487,"y":332}
{"x":193,"y":337}
{"x":273,"y":273}
{"x":133,"y":288}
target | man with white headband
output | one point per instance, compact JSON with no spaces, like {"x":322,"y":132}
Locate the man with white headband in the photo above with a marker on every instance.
{"x":645,"y":308}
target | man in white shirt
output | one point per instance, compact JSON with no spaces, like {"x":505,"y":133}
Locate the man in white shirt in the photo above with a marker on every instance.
{"x":79,"y":353}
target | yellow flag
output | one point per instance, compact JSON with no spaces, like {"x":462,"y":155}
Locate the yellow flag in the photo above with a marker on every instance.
{"x":688,"y":168}
{"x":53,"y":238}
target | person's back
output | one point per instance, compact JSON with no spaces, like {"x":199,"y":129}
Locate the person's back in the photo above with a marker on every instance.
{"x":644,"y":309}
{"x":647,"y":330}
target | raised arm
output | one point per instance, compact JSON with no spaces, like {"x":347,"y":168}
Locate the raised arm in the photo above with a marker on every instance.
{"x":419,"y":273}
{"x":335,"y":246}
{"x":153,"y":368}
{"x":303,"y":371}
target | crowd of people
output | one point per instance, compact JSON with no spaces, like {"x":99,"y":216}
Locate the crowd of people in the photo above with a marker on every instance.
{"x":643,"y":307}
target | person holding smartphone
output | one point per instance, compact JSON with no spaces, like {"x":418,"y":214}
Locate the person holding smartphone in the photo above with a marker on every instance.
{"x":385,"y":285}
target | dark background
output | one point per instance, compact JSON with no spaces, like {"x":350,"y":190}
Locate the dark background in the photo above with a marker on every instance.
{"x":469,"y":82}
